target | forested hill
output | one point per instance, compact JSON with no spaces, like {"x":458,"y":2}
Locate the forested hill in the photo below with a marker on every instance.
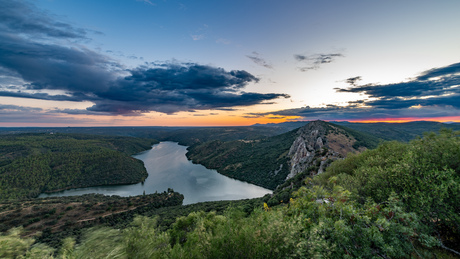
{"x":261,"y":162}
{"x":35,"y":163}
{"x":399,"y":131}
{"x":184,"y":135}
{"x":268,"y":162}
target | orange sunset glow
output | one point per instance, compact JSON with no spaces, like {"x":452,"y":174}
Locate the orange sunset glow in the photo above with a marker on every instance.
{"x":91,"y":63}
{"x":410,"y":119}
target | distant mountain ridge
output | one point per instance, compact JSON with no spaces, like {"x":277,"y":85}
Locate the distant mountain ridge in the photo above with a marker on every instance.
{"x":384,"y":130}
{"x":399,"y":131}
{"x":184,"y":135}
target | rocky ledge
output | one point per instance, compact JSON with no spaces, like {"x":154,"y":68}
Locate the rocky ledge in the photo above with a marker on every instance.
{"x":317,"y":145}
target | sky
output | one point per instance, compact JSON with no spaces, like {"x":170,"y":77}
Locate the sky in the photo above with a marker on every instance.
{"x":227,"y":63}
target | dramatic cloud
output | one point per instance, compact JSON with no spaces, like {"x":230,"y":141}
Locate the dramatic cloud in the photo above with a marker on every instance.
{"x":434,"y":93}
{"x":19,"y":16}
{"x":31,"y":52}
{"x":453,"y":69}
{"x":355,"y":113}
{"x":314,"y":62}
{"x":170,"y":88}
{"x":45,"y":96}
{"x":48,"y":65}
{"x":439,"y":86}
{"x":255,"y":57}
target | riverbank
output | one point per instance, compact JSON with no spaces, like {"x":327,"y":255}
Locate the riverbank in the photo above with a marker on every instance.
{"x":168,"y":167}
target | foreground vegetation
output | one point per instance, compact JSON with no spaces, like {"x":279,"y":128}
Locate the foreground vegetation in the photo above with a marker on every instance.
{"x":399,"y":200}
{"x":34,"y":163}
{"x":63,"y":216}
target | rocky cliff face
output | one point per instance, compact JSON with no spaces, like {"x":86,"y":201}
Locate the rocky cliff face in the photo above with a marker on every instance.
{"x":317,"y":145}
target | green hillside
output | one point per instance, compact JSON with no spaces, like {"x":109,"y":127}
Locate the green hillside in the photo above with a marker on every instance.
{"x":35,"y":163}
{"x":399,"y":131}
{"x":399,"y":200}
{"x":262,"y":162}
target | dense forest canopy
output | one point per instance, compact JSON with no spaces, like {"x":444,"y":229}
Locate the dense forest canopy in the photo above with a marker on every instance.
{"x":34,"y":163}
{"x":255,"y":161}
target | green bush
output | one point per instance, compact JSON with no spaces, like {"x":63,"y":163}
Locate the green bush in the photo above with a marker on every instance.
{"x":424,"y":173}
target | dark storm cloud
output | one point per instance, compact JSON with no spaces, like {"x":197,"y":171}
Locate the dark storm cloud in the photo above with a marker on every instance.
{"x":451,"y":101}
{"x":20,"y":16}
{"x":49,"y":66}
{"x":80,"y":112}
{"x":170,"y":88}
{"x":75,"y":97}
{"x":30,"y":53}
{"x":415,"y":88}
{"x":439,"y":86}
{"x":313,"y":111}
{"x":255,"y":57}
{"x":434,"y":93}
{"x":313,"y":62}
{"x":354,"y":113}
{"x":189,"y":76}
{"x":443,"y":71}
{"x":331,"y":112}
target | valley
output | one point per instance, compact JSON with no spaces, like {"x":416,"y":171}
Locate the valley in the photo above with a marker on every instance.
{"x":268,"y":162}
{"x":169,"y":168}
{"x":229,"y":129}
{"x":353,"y":167}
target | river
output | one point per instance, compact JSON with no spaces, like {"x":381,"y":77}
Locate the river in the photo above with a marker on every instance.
{"x":168,"y":167}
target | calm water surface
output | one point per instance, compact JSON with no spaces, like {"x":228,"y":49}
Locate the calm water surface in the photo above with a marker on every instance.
{"x":168,"y":167}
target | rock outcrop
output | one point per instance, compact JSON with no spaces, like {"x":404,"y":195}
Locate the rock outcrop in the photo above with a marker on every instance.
{"x":317,"y":145}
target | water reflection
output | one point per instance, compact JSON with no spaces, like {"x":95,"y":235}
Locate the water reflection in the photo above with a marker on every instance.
{"x":168,"y":167}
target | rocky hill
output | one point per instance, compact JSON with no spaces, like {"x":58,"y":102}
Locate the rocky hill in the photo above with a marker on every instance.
{"x":269,"y":162}
{"x":318,"y":144}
